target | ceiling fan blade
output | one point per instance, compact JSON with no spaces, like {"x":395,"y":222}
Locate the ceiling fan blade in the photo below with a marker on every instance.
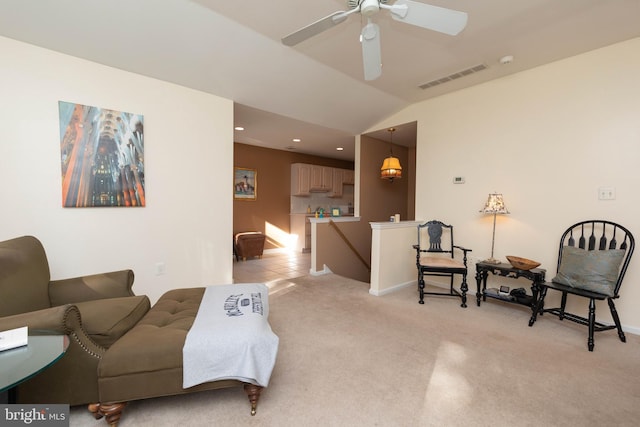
{"x":316,"y":28}
{"x":447,"y":21}
{"x":371,"y":56}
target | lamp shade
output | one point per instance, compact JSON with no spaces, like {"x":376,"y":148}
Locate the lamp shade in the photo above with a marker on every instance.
{"x":391,"y":168}
{"x":495,"y":205}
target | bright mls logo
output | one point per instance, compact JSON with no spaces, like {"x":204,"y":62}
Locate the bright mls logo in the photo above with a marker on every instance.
{"x":34,"y":415}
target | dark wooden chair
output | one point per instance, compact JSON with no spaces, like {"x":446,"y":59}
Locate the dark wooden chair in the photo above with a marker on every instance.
{"x":593,"y":270}
{"x":435,"y":257}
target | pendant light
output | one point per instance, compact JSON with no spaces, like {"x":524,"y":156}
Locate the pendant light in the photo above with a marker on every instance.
{"x":391,"y":168}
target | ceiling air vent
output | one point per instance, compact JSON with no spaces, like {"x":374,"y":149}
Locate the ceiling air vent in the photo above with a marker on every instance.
{"x":453,"y":76}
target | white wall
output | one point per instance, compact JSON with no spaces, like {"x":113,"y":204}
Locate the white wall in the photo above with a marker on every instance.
{"x":393,"y":259}
{"x":187,"y":221}
{"x":547,"y":139}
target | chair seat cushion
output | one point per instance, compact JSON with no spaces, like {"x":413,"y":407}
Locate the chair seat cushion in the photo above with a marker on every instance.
{"x":440,"y":262}
{"x":595,"y":271}
{"x":106,"y":320}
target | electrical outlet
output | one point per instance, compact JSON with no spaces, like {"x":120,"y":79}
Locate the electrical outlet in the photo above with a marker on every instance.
{"x":606,"y":193}
{"x":160,"y":268}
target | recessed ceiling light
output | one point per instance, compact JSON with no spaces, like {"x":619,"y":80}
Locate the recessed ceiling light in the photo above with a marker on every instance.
{"x":339,"y":149}
{"x":296,"y":140}
{"x":238,"y":128}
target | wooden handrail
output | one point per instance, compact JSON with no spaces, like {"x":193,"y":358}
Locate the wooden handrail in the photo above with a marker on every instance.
{"x":353,"y":249}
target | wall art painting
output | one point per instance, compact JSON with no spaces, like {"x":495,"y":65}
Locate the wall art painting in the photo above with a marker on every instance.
{"x":102,"y":157}
{"x":245,"y":184}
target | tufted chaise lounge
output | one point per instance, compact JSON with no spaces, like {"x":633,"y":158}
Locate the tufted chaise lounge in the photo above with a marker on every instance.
{"x":147,"y":361}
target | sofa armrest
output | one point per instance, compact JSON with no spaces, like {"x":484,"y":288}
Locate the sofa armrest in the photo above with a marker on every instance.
{"x":88,"y":288}
{"x":64,"y":320}
{"x":49,"y":319}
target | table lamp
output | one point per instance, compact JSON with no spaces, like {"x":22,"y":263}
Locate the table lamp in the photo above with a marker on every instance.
{"x":495,"y":205}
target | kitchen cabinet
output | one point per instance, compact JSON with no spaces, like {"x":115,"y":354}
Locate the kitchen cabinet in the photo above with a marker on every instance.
{"x":336,"y":188}
{"x":321,"y":178}
{"x":348,"y":176}
{"x":307,"y":179}
{"x":300,"y":179}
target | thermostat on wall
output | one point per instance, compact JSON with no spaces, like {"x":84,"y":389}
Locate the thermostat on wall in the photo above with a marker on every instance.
{"x":458,"y":179}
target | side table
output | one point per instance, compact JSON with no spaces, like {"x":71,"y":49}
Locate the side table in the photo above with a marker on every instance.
{"x":535,"y":275}
{"x":19,"y":364}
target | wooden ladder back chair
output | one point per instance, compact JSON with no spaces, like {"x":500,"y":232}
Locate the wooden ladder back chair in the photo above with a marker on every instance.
{"x":435,"y":256}
{"x":593,"y":270}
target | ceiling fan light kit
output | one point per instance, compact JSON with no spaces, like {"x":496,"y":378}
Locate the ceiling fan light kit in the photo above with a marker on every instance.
{"x":423,"y":15}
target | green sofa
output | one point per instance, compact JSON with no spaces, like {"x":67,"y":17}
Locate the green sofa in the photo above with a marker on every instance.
{"x":93,"y":311}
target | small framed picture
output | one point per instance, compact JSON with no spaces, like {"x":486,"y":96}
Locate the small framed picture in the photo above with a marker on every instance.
{"x":335,"y":212}
{"x":245,"y":184}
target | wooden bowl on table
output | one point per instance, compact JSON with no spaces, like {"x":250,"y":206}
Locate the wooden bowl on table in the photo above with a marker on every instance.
{"x":522,"y":263}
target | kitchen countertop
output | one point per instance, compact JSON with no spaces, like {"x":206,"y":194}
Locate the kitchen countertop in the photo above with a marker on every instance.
{"x":345,"y":218}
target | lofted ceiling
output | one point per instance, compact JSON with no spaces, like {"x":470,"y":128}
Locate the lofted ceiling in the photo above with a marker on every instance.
{"x":315,"y":90}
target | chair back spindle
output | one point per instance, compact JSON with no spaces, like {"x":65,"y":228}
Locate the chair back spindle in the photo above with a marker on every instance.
{"x":592,"y":238}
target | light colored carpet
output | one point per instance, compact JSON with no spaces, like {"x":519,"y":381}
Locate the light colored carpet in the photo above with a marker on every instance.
{"x":347,"y":358}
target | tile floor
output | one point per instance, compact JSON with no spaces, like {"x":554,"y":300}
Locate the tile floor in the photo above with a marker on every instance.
{"x":274,"y":265}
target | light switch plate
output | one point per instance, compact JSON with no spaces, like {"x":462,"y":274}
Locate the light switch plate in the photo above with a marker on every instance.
{"x":458,"y":179}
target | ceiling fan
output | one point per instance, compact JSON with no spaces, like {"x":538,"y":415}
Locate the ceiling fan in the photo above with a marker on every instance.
{"x":447,"y":21}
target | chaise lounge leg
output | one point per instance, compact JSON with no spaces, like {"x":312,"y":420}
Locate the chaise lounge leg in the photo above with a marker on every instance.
{"x":112,"y":412}
{"x":253,"y":393}
{"x":94,"y":408}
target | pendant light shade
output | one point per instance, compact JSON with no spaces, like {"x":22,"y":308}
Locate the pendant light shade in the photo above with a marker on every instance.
{"x":391,"y":168}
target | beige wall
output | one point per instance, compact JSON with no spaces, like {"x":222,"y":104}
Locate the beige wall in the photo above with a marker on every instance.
{"x":380,"y":198}
{"x":270,"y":210}
{"x":189,"y":203}
{"x":547,"y":139}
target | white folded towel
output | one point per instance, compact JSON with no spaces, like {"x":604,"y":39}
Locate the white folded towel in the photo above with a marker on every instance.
{"x":231,"y":337}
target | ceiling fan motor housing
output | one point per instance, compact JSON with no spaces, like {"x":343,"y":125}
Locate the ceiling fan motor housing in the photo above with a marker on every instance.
{"x":368,"y":7}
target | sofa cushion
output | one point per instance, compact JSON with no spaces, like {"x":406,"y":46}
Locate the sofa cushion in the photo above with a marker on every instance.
{"x":107,"y":320}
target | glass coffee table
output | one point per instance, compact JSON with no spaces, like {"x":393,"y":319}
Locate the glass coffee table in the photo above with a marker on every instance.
{"x":20,"y":364}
